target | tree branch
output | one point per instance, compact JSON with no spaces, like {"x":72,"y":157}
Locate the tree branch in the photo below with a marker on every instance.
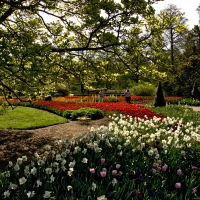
{"x":86,"y":48}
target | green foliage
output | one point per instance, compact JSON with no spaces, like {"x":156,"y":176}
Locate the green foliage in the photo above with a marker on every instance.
{"x":62,"y":89}
{"x":64,"y":54}
{"x":67,"y":113}
{"x":171,"y":87}
{"x":3,"y":108}
{"x":159,"y":98}
{"x":28,"y":118}
{"x":92,"y":113}
{"x":143,"y":89}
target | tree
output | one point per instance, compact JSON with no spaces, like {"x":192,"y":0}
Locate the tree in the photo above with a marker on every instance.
{"x":31,"y":46}
{"x":175,"y":27}
{"x":189,"y":71}
{"x":159,"y":98}
{"x":139,"y":53}
{"x":174,"y":36}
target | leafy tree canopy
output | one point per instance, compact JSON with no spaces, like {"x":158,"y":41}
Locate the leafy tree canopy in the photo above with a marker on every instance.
{"x":32,"y":46}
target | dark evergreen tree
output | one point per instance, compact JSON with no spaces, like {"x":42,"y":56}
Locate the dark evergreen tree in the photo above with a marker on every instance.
{"x":195,"y":92}
{"x":159,"y":98}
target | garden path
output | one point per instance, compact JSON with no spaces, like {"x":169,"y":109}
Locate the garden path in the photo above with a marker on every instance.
{"x":195,"y":108}
{"x":17,"y":143}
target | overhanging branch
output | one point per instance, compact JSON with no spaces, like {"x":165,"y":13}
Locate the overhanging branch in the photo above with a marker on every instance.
{"x":84,"y":48}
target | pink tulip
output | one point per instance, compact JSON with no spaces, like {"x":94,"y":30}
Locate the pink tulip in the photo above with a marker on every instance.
{"x":178,"y":185}
{"x":164,"y":168}
{"x":103,"y":174}
{"x":194,"y":167}
{"x":103,"y":160}
{"x":104,"y":170}
{"x":159,"y":162}
{"x":159,"y":169}
{"x":179,"y":172}
{"x":114,"y":172}
{"x":92,"y":170}
{"x":153,"y":171}
{"x":118,"y":166}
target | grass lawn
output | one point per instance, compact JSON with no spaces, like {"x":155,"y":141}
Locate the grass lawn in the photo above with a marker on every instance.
{"x":28,"y":118}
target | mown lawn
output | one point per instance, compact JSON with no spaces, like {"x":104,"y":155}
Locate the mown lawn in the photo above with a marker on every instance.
{"x":28,"y":118}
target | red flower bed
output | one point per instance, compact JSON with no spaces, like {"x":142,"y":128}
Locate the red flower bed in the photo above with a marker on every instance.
{"x":133,"y":110}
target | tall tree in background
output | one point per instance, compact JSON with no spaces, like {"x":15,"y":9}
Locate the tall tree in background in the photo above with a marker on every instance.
{"x":141,"y":50}
{"x":189,"y":71}
{"x":174,"y":36}
{"x":175,"y":27}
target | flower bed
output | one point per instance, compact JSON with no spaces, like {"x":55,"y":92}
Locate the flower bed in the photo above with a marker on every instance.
{"x":130,"y":159}
{"x":133,"y":110}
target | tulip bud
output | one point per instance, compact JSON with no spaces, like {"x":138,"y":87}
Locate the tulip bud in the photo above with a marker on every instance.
{"x":159,"y":169}
{"x":92,"y":170}
{"x":103,"y":174}
{"x":179,"y":172}
{"x":104,"y":170}
{"x":164,"y":168}
{"x":114,"y":172}
{"x":103,"y":160}
{"x":118,"y":166}
{"x":178,"y":185}
{"x":153,"y":171}
{"x":159,"y":162}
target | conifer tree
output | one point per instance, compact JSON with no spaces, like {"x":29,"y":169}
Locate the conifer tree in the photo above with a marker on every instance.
{"x":195,"y":92}
{"x":159,"y":98}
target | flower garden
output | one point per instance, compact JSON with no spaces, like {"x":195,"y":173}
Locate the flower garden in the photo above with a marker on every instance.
{"x":140,"y":155}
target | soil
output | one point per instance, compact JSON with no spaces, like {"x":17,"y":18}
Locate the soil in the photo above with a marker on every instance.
{"x":17,"y":143}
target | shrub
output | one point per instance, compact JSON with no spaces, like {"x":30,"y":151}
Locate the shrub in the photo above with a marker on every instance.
{"x":195,"y":92}
{"x":67,"y":113}
{"x":159,"y":98}
{"x":92,"y":113}
{"x":143,"y":89}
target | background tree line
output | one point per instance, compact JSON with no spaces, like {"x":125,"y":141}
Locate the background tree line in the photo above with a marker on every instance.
{"x":80,"y":45}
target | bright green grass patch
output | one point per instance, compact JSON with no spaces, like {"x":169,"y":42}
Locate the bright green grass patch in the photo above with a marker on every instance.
{"x":28,"y":118}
